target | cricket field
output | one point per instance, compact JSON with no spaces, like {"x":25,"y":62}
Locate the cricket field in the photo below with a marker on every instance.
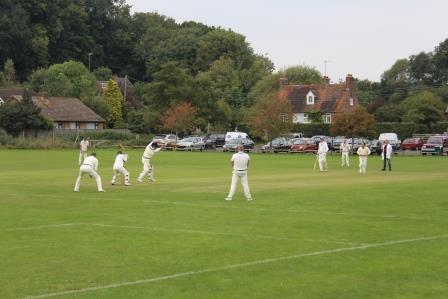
{"x":305,"y":235}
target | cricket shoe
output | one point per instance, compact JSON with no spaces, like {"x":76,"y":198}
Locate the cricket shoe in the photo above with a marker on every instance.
{"x":102,"y":191}
{"x":127,"y":184}
{"x":228,"y":198}
{"x":152,"y":180}
{"x":249,"y":199}
{"x":140,"y":181}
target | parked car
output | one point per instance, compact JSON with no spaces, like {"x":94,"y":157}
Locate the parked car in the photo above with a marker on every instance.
{"x":337,"y":141}
{"x":166,"y":140}
{"x":214,"y":140}
{"x":375,"y":146}
{"x":235,"y":135}
{"x":412,"y":144}
{"x":303,"y":145}
{"x":436,"y":145}
{"x":327,"y":139}
{"x":190,"y":144}
{"x":393,"y":140}
{"x":279,"y":144}
{"x":357,"y":143}
{"x":231,"y":145}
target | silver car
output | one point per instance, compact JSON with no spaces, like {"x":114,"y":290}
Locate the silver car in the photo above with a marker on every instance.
{"x":190,"y":144}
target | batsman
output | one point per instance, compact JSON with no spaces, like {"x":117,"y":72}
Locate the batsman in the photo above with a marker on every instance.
{"x":148,"y":169}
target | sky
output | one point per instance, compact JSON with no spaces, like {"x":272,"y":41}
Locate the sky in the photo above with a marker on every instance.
{"x":360,"y":37}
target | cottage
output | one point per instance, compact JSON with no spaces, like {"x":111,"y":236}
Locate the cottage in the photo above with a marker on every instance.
{"x":12,"y":94}
{"x":69,"y":113}
{"x":326,"y":98}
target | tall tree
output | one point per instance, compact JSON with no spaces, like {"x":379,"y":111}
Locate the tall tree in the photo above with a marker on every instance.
{"x":358,"y":123}
{"x":180,"y":118}
{"x":271,"y":116}
{"x":424,"y":108}
{"x":113,"y":98}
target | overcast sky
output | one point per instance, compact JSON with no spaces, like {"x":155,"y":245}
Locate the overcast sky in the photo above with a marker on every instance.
{"x":362,"y":37}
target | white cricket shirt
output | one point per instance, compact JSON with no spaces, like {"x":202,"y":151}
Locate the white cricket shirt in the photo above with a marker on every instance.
{"x":91,"y":161}
{"x":240,"y":161}
{"x":84,"y":145}
{"x":149,"y":151}
{"x":120,"y":160}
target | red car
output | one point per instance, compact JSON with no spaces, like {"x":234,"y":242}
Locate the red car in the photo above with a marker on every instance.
{"x":303,"y":145}
{"x":412,"y":144}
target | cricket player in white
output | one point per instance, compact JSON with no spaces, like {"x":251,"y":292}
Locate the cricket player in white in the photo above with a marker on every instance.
{"x":119,"y":168}
{"x":240,"y":163}
{"x":345,"y":150}
{"x":322,"y":155}
{"x":148,"y":169}
{"x":83,"y":147}
{"x":363,"y":152}
{"x":89,"y":166}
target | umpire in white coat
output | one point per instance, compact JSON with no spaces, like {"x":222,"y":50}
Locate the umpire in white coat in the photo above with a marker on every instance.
{"x":240,"y":164}
{"x":386,"y":154}
{"x":89,"y":166}
{"x":322,"y":155}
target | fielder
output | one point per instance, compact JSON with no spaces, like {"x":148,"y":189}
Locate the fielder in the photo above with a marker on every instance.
{"x":363,"y":152}
{"x":322,"y":155}
{"x":118,"y":167}
{"x":89,"y":166}
{"x":345,"y":150}
{"x":83,"y":147}
{"x":148,"y":169}
{"x":240,"y":163}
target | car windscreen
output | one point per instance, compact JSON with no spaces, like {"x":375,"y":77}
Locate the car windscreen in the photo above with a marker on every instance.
{"x":235,"y":141}
{"x":188,"y":139}
{"x":159,"y":136}
{"x":435,"y":140}
{"x":300,"y":141}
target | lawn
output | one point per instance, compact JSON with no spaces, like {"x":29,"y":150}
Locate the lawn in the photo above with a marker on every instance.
{"x":305,"y":235}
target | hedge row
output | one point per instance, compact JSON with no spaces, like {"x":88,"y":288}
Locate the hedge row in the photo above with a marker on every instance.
{"x":403,"y":130}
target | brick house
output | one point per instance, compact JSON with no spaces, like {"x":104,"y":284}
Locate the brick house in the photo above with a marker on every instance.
{"x":69,"y":113}
{"x":328,"y":98}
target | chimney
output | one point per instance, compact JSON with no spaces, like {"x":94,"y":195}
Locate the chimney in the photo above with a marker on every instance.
{"x":283,"y":81}
{"x":326,"y":80}
{"x":349,"y":82}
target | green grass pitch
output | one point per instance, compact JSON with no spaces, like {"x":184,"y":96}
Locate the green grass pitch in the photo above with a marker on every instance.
{"x":306,"y":234}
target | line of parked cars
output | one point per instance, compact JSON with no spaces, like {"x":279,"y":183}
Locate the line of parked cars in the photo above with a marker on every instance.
{"x":297,"y":143}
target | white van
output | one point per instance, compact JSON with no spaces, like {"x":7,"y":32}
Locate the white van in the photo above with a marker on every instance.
{"x":235,"y":135}
{"x":393,"y":139}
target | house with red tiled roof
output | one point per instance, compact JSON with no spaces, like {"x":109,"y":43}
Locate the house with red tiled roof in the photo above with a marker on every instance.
{"x":327,"y":98}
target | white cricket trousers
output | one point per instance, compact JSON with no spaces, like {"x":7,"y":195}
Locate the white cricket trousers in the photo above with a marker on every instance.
{"x":148,"y":169}
{"x":87,"y":169}
{"x":362,"y":164}
{"x":323,"y":162}
{"x":82,"y":156}
{"x":345,"y":159}
{"x":123,"y":171}
{"x":239,"y":175}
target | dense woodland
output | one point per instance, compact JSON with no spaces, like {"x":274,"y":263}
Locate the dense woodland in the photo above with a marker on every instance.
{"x":210,"y":76}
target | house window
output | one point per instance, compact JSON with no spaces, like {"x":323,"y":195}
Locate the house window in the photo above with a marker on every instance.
{"x":310,"y":98}
{"x":351,"y":101}
{"x":327,"y":118}
{"x":305,"y":118}
{"x":78,"y":125}
{"x":72,"y":126}
{"x":59,"y":125}
{"x":90,"y":126}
